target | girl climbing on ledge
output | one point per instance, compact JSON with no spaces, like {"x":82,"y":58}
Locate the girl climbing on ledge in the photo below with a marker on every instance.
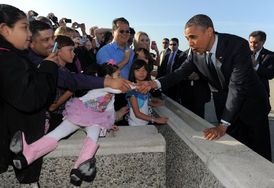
{"x":93,"y":112}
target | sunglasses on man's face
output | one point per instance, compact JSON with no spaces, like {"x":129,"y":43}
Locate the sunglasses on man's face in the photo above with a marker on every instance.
{"x":172,"y":44}
{"x":124,"y":31}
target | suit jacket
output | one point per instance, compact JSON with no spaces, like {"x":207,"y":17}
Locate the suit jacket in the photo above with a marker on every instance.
{"x":266,"y":67}
{"x":162,"y":55}
{"x":172,"y":92}
{"x":176,"y":64}
{"x":240,"y":83}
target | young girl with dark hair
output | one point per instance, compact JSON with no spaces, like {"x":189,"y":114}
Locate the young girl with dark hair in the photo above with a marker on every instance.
{"x":138,"y":102}
{"x":26,"y":91}
{"x":93,"y":111}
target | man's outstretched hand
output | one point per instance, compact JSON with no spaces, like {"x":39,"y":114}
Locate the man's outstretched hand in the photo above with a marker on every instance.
{"x":145,"y":86}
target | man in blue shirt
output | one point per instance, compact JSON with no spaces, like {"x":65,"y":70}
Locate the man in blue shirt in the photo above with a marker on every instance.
{"x":118,"y":49}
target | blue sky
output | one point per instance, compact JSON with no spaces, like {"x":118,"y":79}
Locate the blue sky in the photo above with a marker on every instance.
{"x":162,"y":18}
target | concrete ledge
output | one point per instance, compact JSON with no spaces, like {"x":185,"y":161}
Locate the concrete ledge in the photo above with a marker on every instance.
{"x":230,"y":162}
{"x":128,"y":139}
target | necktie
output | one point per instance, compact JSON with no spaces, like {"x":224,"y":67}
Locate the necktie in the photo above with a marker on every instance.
{"x":170,"y":63}
{"x":253,"y":58}
{"x":213,"y":72}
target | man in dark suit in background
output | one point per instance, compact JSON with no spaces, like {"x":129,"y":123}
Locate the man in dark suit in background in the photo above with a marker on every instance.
{"x":240,"y":100}
{"x":165,"y":44}
{"x":262,"y":59}
{"x":169,"y":64}
{"x":193,"y":92}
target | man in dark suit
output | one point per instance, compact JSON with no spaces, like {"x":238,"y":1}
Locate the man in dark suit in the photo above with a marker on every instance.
{"x":165,"y":44}
{"x":262,"y":59}
{"x":241,"y":102}
{"x":169,"y":64}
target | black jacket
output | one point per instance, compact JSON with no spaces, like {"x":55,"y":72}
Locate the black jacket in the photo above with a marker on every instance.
{"x":241,"y":84}
{"x":26,"y":92}
{"x":266,"y":67}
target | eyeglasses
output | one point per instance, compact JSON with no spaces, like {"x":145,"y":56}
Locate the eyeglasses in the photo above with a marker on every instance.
{"x":124,"y":31}
{"x":172,"y":44}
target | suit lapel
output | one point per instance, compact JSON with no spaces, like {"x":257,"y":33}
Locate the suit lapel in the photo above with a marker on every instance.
{"x":220,"y":49}
{"x":176,"y":62}
{"x":262,"y":56}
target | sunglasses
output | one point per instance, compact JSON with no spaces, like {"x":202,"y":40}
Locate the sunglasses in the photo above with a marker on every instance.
{"x":124,"y":31}
{"x":172,"y":44}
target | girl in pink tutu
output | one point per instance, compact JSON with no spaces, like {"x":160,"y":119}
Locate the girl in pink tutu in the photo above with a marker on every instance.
{"x":93,"y":112}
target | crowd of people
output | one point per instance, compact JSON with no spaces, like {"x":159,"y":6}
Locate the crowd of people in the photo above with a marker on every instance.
{"x":55,"y":80}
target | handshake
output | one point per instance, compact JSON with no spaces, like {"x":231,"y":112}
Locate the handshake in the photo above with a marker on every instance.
{"x":144,"y":86}
{"x":125,"y":85}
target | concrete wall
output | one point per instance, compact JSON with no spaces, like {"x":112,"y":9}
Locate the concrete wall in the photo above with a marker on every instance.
{"x":193,"y":161}
{"x":137,"y":157}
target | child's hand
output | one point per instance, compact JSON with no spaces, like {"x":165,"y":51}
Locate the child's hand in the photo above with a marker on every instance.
{"x":115,"y":128}
{"x":161,"y":120}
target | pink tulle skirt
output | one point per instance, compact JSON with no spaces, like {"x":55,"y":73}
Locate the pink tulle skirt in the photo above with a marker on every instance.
{"x":77,"y":113}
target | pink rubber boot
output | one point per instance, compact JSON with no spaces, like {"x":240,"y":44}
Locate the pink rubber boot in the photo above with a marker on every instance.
{"x":29,"y":153}
{"x":87,"y":152}
{"x":84,"y":168}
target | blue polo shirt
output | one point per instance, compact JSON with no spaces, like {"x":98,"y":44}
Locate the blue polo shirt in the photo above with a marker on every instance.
{"x":113,"y":51}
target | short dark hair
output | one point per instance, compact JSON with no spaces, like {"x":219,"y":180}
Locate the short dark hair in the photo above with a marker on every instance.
{"x":35,"y":26}
{"x":10,"y":15}
{"x":166,"y":39}
{"x":44,"y":19}
{"x":200,"y":20}
{"x":64,"y":41}
{"x":132,"y":31}
{"x":175,"y":40}
{"x":107,"y":37}
{"x":114,"y":22}
{"x":107,"y":69}
{"x":260,"y":34}
{"x":146,"y":52}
